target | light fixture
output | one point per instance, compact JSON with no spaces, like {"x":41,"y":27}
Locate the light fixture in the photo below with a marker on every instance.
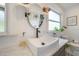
{"x":46,"y":9}
{"x":27,"y":14}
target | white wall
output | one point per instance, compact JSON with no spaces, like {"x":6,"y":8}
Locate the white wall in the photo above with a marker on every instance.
{"x":72,"y":31}
{"x":17,"y":23}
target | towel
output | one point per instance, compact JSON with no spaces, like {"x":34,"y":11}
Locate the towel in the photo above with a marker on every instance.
{"x":23,"y":44}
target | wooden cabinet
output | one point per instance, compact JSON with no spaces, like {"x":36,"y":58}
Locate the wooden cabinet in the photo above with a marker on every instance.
{"x":60,"y":52}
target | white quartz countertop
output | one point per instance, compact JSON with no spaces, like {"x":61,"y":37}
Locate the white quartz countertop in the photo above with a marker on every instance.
{"x":73,"y":44}
{"x":16,"y":50}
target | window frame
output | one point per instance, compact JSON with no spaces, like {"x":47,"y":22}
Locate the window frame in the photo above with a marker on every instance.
{"x":5,"y":18}
{"x":54,"y":21}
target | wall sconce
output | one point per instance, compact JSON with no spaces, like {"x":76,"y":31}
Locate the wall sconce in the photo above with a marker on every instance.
{"x":27,"y":14}
{"x":46,"y":9}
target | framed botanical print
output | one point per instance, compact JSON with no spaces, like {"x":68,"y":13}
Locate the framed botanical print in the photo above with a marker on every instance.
{"x":72,"y":21}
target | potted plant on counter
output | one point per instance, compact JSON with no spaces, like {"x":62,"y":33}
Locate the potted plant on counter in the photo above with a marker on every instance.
{"x":59,"y":31}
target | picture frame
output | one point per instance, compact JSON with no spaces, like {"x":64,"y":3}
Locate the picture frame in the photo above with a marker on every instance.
{"x":72,"y":21}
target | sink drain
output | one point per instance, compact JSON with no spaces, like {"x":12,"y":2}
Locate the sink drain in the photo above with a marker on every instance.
{"x":43,"y":43}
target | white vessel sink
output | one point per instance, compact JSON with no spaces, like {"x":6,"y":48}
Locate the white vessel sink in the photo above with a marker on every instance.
{"x":43,"y":46}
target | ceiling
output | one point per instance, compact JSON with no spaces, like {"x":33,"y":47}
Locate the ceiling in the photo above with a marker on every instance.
{"x":67,"y":6}
{"x":64,"y":6}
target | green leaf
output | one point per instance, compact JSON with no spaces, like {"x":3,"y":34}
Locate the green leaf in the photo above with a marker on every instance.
{"x":61,"y":29}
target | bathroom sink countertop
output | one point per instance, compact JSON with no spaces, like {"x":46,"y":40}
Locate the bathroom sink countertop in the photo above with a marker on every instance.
{"x":73,"y":44}
{"x":15,"y":50}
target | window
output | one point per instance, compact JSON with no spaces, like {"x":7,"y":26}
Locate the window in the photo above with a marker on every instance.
{"x":54,"y":20}
{"x":2,"y":18}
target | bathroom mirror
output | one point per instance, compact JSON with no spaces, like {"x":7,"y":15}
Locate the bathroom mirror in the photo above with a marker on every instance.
{"x":34,"y":16}
{"x":35,"y":19}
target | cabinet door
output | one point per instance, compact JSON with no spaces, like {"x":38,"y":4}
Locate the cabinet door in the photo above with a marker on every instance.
{"x":60,"y":52}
